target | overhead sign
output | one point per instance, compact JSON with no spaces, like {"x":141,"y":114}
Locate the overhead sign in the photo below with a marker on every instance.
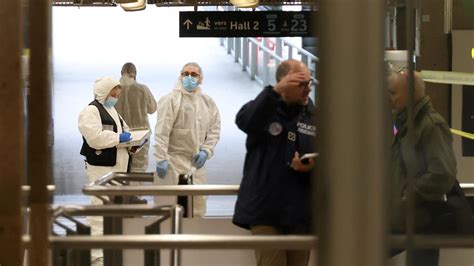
{"x":245,"y":23}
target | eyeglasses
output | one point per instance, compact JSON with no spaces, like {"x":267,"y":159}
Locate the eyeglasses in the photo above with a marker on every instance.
{"x":401,"y":71}
{"x":306,"y":83}
{"x":193,"y":74}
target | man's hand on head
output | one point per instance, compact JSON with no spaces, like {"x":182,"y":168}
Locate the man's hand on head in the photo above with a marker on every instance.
{"x":290,"y":81}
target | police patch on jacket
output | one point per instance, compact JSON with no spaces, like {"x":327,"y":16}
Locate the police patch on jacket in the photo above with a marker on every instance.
{"x":275,"y":128}
{"x":291,"y":136}
{"x":306,"y":129}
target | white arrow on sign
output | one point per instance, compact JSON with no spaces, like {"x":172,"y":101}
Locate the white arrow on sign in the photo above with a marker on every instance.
{"x":187,"y":23}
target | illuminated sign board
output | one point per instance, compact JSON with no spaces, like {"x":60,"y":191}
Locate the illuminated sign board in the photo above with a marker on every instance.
{"x":246,"y":24}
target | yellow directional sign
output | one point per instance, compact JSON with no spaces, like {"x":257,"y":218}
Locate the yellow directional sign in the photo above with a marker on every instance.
{"x":447,"y":77}
{"x":462,"y":133}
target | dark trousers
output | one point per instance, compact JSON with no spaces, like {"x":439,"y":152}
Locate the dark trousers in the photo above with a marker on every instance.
{"x":422,"y":257}
{"x":451,"y":217}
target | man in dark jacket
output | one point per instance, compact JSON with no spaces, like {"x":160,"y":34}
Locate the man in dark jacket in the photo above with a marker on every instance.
{"x":275,"y":193}
{"x":440,"y":204}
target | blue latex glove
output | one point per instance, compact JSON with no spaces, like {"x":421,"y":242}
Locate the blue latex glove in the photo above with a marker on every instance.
{"x":125,"y":136}
{"x":200,"y":158}
{"x":162,"y":168}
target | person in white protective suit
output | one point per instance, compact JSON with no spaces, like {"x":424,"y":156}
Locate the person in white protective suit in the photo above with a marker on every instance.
{"x":102,"y":130}
{"x":187,"y":131}
{"x":134,"y":105}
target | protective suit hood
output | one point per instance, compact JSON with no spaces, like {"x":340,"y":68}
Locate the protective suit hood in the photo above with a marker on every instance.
{"x":103,"y":86}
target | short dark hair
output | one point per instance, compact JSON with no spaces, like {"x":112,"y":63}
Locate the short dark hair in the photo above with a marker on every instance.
{"x":282,"y":70}
{"x":129,"y":68}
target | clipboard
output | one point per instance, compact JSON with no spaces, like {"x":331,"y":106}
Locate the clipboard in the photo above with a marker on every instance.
{"x":139,"y":137}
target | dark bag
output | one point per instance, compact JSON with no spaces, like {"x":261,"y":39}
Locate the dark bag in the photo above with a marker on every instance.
{"x":185,"y":179}
{"x":453,"y":216}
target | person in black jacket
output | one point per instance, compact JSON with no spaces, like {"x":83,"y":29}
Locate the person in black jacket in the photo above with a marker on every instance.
{"x":275,"y":192}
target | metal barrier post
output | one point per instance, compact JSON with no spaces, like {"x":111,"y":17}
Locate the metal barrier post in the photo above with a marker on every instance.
{"x":152,"y":256}
{"x":305,"y":59}
{"x":278,"y":49}
{"x":74,"y":257}
{"x":113,"y":226}
{"x":176,"y":226}
{"x":254,"y":60}
{"x":266,"y":61}
{"x":237,"y":49}
{"x":230,"y":45}
{"x":245,"y":54}
{"x":290,"y":52}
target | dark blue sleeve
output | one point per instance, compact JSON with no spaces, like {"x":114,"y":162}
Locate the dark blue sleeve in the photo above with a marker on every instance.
{"x":254,"y":115}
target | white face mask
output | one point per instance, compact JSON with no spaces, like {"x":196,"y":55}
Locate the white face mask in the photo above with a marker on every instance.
{"x":127,"y":80}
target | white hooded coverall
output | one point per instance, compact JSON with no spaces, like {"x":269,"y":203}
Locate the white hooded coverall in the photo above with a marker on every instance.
{"x":134,"y":105}
{"x":90,"y":126}
{"x":187,"y":122}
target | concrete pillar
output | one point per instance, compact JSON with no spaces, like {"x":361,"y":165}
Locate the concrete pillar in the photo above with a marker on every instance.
{"x":12,"y":153}
{"x":435,"y":53}
{"x":39,"y":128}
{"x":353,"y":132}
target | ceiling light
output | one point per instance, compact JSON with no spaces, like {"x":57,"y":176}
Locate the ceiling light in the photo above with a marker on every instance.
{"x":135,"y":6}
{"x":245,"y":3}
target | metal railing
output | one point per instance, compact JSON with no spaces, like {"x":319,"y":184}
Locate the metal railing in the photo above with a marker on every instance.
{"x":165,"y":190}
{"x":114,"y":184}
{"x":192,"y":241}
{"x":468,"y":189}
{"x":81,"y":255}
{"x":246,"y":51}
{"x":101,"y":187}
{"x":185,"y":241}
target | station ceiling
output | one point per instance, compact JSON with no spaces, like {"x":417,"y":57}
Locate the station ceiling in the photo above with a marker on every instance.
{"x":112,"y":3}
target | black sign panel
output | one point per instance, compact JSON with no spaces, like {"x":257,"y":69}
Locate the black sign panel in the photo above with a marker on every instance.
{"x":245,"y":24}
{"x":467,"y":119}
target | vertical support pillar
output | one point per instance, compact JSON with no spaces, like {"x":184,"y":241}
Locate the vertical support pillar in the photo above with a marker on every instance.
{"x":12,"y":165}
{"x":448,"y":16}
{"x":354,"y":133}
{"x":39,"y":128}
{"x":410,"y":44}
